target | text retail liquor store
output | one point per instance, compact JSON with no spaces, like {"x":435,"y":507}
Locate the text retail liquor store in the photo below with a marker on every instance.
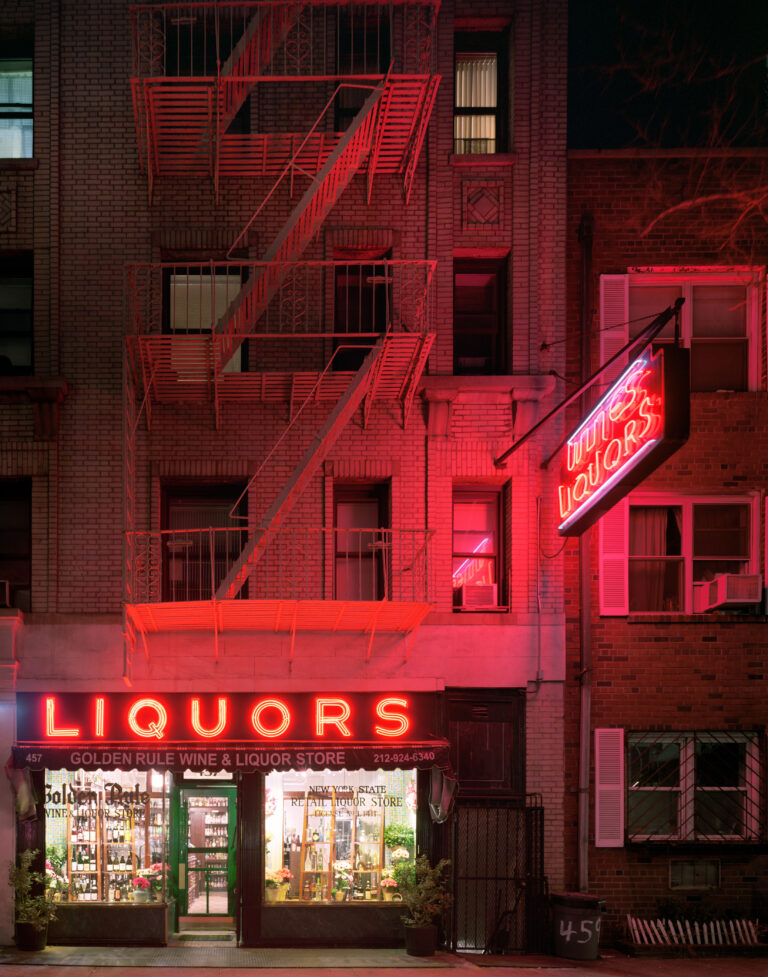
{"x":268,"y":814}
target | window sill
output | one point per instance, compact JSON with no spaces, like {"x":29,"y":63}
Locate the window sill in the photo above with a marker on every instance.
{"x":12,"y":163}
{"x":482,"y":159}
{"x":711,"y":617}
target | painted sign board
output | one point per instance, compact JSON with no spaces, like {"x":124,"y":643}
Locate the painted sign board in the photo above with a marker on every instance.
{"x":638,"y":423}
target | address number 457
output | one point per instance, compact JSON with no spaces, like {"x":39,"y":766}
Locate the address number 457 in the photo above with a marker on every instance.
{"x":583,"y":934}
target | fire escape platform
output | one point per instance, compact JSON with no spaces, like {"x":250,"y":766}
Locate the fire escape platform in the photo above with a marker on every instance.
{"x":181,"y":370}
{"x":278,"y":615}
{"x":262,"y":154}
{"x":176,"y":117}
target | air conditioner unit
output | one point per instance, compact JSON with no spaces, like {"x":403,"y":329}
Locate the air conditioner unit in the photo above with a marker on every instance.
{"x":479,"y":596}
{"x":728,"y":590}
{"x":5,"y":593}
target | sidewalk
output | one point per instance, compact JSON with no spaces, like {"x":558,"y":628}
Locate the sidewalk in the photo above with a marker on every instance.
{"x":232,"y":962}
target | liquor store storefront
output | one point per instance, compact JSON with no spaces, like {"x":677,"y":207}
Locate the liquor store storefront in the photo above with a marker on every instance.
{"x":282,"y":817}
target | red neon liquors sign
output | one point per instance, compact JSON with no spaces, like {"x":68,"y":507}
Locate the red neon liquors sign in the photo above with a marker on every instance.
{"x":642,"y":419}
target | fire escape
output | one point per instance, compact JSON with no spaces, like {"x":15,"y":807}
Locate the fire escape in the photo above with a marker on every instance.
{"x":223,"y":336}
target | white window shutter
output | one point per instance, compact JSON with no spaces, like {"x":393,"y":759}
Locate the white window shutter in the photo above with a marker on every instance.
{"x":614,"y":565}
{"x":614,"y":316}
{"x":609,"y":788}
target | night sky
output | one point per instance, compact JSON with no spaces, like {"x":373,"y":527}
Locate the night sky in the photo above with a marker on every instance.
{"x":667,"y":74}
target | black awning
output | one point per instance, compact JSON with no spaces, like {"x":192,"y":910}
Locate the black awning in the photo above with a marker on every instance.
{"x":240,"y":757}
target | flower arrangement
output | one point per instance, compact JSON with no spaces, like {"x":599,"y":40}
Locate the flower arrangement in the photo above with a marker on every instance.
{"x":342,"y":876}
{"x":388,"y":882}
{"x":153,"y":876}
{"x":281,"y":876}
{"x":140,"y":882}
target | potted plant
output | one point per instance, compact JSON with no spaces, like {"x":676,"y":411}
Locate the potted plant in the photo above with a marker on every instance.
{"x":388,"y":887}
{"x":424,"y":891}
{"x":398,"y":836}
{"x":33,"y":896}
{"x":342,"y":879}
{"x":276,"y":884}
{"x":141,"y":888}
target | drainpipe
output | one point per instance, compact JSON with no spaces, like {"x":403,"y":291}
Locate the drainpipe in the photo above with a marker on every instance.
{"x":585,"y":622}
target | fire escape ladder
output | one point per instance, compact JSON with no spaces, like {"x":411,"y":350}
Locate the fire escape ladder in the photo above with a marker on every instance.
{"x":314,"y":456}
{"x":308,"y":214}
{"x":263,"y":36}
{"x":413,"y":150}
{"x":251,"y":56}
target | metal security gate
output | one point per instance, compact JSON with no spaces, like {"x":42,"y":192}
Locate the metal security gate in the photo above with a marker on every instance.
{"x":500,"y":893}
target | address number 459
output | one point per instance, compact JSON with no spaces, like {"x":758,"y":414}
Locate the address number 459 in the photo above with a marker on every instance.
{"x":583,"y":934}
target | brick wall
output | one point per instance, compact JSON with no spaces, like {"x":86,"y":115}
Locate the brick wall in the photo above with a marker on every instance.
{"x":678,"y":673}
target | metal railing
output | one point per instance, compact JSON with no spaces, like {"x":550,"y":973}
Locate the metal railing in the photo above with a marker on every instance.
{"x":314,"y":298}
{"x":262,"y":39}
{"x":297,"y":564}
{"x":694,"y":786}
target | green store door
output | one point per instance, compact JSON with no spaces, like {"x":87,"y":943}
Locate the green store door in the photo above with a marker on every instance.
{"x":204,"y":846}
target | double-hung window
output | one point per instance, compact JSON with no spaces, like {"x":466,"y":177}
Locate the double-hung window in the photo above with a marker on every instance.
{"x":16,"y":542}
{"x":480,"y":88}
{"x":479,"y":287}
{"x":16,"y":100}
{"x":719,"y":320}
{"x":692,"y":786}
{"x":655,"y":549}
{"x":362,"y":542}
{"x":476,"y":549}
{"x":16,"y":315}
{"x":204,"y":531}
{"x":195,"y":299}
{"x":687,"y":786}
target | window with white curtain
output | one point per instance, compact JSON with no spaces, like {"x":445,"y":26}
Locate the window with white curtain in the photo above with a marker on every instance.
{"x":717,"y":323}
{"x":675,"y":544}
{"x":479,"y":93}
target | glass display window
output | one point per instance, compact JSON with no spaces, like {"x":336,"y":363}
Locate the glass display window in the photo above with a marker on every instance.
{"x":336,"y":836}
{"x":106,"y":835}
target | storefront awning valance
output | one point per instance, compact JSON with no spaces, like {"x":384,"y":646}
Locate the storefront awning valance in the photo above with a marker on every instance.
{"x":238,"y":758}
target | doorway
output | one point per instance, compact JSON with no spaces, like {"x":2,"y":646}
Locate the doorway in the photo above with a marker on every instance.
{"x":206,"y":853}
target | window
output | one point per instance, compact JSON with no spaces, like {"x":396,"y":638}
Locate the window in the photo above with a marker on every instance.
{"x":478,"y":316}
{"x":204,"y":533}
{"x":362,"y":307}
{"x":699,"y":786}
{"x":674,"y":546}
{"x":16,"y":98}
{"x":654,"y":549}
{"x":475,"y":550}
{"x":105,"y":828}
{"x":337,"y":835}
{"x":363,"y":48}
{"x":362,"y":542}
{"x":480,"y":86}
{"x":16,"y":541}
{"x":195,"y":300}
{"x":16,"y":315}
{"x":719,"y":321}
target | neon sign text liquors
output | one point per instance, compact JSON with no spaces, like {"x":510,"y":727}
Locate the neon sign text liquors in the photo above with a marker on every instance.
{"x":78,"y":718}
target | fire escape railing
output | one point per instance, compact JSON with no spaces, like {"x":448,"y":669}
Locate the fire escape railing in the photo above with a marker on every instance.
{"x":314,"y":298}
{"x":304,"y":564}
{"x":271,"y":39}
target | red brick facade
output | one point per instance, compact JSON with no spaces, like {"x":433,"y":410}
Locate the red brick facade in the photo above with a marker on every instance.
{"x":673,"y":672}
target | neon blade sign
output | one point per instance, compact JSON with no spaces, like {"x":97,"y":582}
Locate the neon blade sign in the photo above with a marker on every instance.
{"x":642,"y":419}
